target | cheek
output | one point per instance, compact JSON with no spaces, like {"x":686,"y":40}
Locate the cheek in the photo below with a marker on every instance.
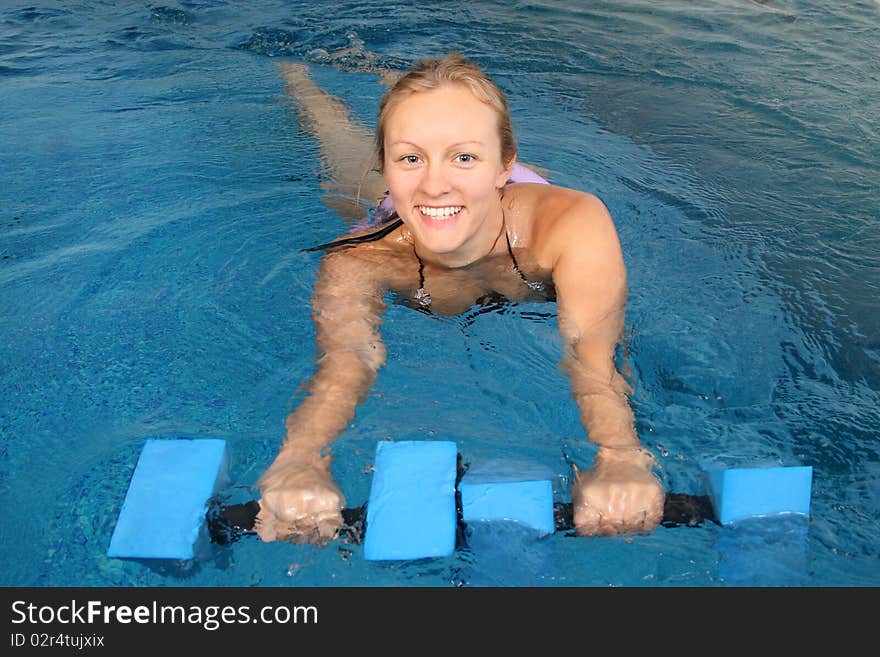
{"x":401,"y":189}
{"x":398,"y":185}
{"x":479,"y":191}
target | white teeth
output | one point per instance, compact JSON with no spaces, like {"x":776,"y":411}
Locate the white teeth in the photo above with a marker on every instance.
{"x":440,"y":213}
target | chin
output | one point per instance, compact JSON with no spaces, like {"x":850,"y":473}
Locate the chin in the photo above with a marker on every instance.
{"x":439,"y":237}
{"x":441,"y":244}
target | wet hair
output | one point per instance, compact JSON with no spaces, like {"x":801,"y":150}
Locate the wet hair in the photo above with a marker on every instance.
{"x":430,"y":74}
{"x":427,"y":75}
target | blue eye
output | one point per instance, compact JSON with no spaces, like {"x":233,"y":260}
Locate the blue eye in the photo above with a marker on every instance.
{"x":465,"y":158}
{"x":411,"y":159}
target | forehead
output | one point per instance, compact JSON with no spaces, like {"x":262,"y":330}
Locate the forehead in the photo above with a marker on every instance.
{"x":451,"y":113}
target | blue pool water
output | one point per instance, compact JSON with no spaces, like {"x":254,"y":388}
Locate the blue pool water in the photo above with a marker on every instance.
{"x":155,"y":192}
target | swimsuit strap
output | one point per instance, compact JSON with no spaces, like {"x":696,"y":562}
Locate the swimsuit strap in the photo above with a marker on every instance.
{"x":421,"y":296}
{"x":513,"y":258}
{"x":393,"y":222}
{"x":534,"y":285}
{"x":424,"y":298}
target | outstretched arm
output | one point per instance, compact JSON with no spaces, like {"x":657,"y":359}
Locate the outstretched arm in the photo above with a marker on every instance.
{"x":298,"y":496}
{"x":621,"y":494}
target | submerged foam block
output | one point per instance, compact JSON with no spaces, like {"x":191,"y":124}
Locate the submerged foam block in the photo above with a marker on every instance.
{"x":528,"y":502}
{"x":765,"y":551}
{"x":163,"y":513}
{"x":411,"y":510}
{"x":740,"y":493}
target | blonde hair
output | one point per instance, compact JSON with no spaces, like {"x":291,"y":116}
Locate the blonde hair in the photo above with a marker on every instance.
{"x":430,"y":74}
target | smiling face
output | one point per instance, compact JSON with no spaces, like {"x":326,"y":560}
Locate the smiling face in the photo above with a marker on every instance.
{"x":443,"y":169}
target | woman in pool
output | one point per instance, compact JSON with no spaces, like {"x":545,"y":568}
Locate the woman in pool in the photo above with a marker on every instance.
{"x":460,"y":233}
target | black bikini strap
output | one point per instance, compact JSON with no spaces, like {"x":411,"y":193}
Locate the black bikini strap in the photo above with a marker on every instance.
{"x":515,"y":263}
{"x":421,"y":296}
{"x":394,"y":222}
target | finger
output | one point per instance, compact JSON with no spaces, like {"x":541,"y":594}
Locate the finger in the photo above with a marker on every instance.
{"x":264,"y":525}
{"x":319,"y":528}
{"x":328,"y":529}
{"x":611,"y":526}
{"x":645,"y":521}
{"x":653,"y":519}
{"x":328,"y":522}
{"x":587,"y":520}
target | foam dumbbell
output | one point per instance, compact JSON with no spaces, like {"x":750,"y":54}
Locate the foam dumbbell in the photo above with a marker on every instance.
{"x":420,"y":499}
{"x":411,"y":513}
{"x":510,"y":496}
{"x":163,"y":514}
{"x":739,"y":493}
{"x":765,"y":512}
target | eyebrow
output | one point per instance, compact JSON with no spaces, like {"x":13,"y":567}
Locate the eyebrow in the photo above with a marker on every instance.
{"x":404,"y":142}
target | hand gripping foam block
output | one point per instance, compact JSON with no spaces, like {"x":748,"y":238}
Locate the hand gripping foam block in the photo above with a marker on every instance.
{"x":164,"y":509}
{"x":411,"y":510}
{"x":740,"y":493}
{"x":528,"y":502}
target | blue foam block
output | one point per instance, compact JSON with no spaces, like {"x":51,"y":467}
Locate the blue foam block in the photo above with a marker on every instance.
{"x":163,"y":514}
{"x":528,"y":502}
{"x":411,"y":510}
{"x":740,"y":493}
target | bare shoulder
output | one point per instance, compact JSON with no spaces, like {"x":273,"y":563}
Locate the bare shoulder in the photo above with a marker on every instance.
{"x":560,"y":220}
{"x":577,"y":241}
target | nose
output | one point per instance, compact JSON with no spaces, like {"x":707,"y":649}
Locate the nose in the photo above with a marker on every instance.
{"x":435,"y":182}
